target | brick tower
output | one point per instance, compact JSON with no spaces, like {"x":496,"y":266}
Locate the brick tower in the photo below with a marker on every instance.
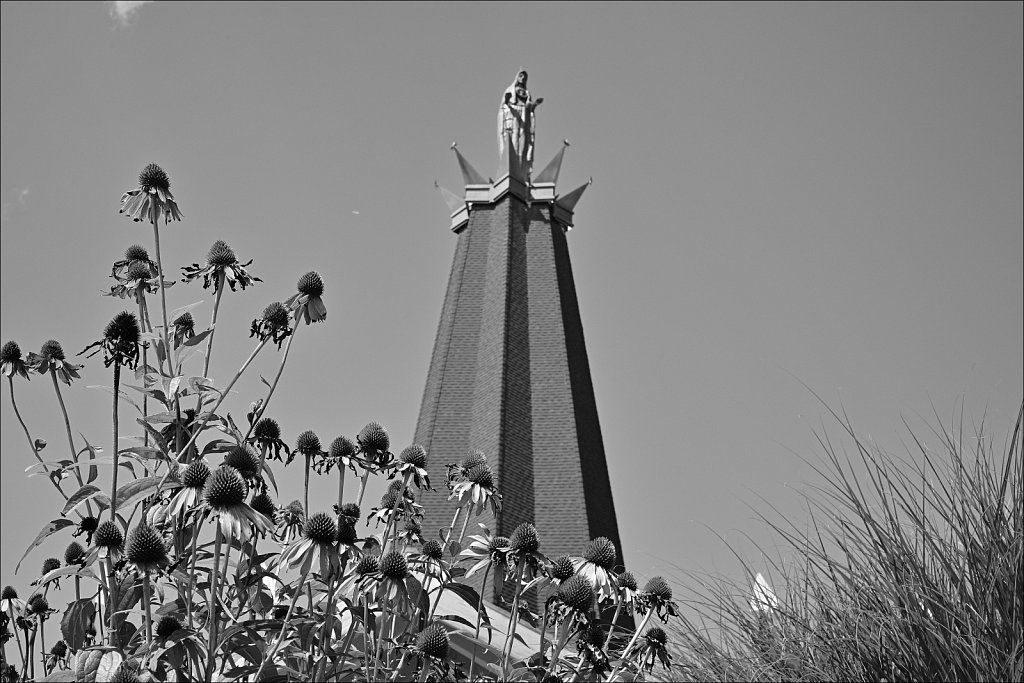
{"x":509,"y":373}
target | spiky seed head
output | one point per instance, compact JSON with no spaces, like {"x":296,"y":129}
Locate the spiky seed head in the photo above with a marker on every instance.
{"x":138,"y":270}
{"x":295,"y":508}
{"x":8,"y":593}
{"x":38,"y":604}
{"x":627,"y":581}
{"x":108,"y":535}
{"x":321,"y":528}
{"x":414,"y":455}
{"x":196,"y":474}
{"x":145,"y":547}
{"x":577,"y":593}
{"x":154,"y":178}
{"x":59,"y":649}
{"x":125,"y":674}
{"x":473,"y":459}
{"x":311,"y":284}
{"x":245,"y":460}
{"x":185,"y":320}
{"x":433,"y":550}
{"x":225,"y":488}
{"x":481,"y":475}
{"x":433,"y":641}
{"x":347,"y":531}
{"x":49,"y":564}
{"x":497,"y":543}
{"x":342,"y":447}
{"x":276,"y":314}
{"x":388,"y":500}
{"x":413,"y":527}
{"x":10,"y":353}
{"x":263,"y":504}
{"x":368,"y":565}
{"x":52,"y":349}
{"x":124,"y":328}
{"x":374,"y":438}
{"x":659,"y":588}
{"x":601,"y":551}
{"x":593,"y":635}
{"x":396,"y":486}
{"x":656,"y":636}
{"x":394,"y":566}
{"x":267,"y":429}
{"x":351,"y":510}
{"x":136,"y":252}
{"x":524,"y":539}
{"x":308,"y":443}
{"x":89,"y":524}
{"x":167,"y":626}
{"x":562,"y":569}
{"x":221,"y":254}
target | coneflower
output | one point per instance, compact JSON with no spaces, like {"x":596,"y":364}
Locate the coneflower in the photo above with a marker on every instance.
{"x":307,"y":304}
{"x":308,"y":444}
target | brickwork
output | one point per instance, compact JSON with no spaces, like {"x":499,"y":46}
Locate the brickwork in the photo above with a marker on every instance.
{"x":509,"y":375}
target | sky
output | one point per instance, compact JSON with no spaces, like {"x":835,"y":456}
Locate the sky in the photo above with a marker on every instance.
{"x":787,"y":200}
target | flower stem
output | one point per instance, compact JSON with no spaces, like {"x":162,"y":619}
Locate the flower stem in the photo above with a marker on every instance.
{"x":636,"y":634}
{"x":147,"y":602}
{"x":192,"y":572}
{"x":213,"y":325}
{"x":366,"y":638}
{"x":559,"y":644}
{"x":284,"y":624}
{"x":211,"y":605}
{"x":513,"y":618}
{"x":465,"y":523}
{"x":67,"y":428}
{"x":14,"y":625}
{"x":273,"y":387}
{"x":144,"y":321}
{"x":393,"y":520}
{"x":163,"y":291}
{"x":42,"y":642}
{"x":615,"y":619}
{"x":479,"y":618}
{"x":31,"y":442}
{"x":113,"y":481}
{"x":362,"y":488}
{"x":341,"y":485}
{"x":451,"y":528}
{"x":305,"y":490}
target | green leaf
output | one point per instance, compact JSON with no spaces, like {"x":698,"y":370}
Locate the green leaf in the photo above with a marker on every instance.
{"x":48,"y":530}
{"x":198,"y":338}
{"x":59,"y":676}
{"x":136,"y":491}
{"x":87,"y":492}
{"x":121,"y":395}
{"x":77,"y":620}
{"x":177,"y":312}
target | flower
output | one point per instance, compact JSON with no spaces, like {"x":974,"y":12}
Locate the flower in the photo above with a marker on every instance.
{"x":306,"y":303}
{"x":523,"y":546}
{"x":590,"y":645}
{"x":274,"y":324}
{"x":152,"y":199}
{"x":138,"y":279}
{"x":245,"y":460}
{"x":120,"y":343}
{"x":193,"y":479}
{"x":184,"y":328}
{"x":74,"y":553}
{"x":38,"y":605}
{"x":433,"y":641}
{"x":263,"y":504}
{"x":51,"y":358}
{"x":476,"y":489}
{"x":560,"y":570}
{"x":628,"y":591}
{"x":267,"y":435}
{"x":11,"y":361}
{"x":652,"y":647}
{"x":225,"y":497}
{"x":485,"y":549}
{"x":167,"y":625}
{"x":136,"y":253}
{"x":363,"y":579}
{"x":413,"y":460}
{"x":290,"y":520}
{"x":657,"y":595}
{"x":88,"y":527}
{"x":318,"y":538}
{"x":350,"y":510}
{"x":110,"y":541}
{"x":412,"y":531}
{"x":9,"y":601}
{"x":573,"y":601}
{"x":308,"y":444}
{"x":145,"y":548}
{"x":221,"y":266}
{"x":373,"y":445}
{"x":393,"y":589}
{"x":596,"y":564}
{"x":405,"y":499}
{"x":340,"y":453}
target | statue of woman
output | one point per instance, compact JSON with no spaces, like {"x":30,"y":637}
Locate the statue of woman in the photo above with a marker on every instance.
{"x":516,"y":118}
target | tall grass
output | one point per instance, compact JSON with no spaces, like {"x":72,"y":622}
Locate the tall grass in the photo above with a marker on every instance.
{"x":909,"y":568}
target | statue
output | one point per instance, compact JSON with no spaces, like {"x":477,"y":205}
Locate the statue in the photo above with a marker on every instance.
{"x":516,"y":118}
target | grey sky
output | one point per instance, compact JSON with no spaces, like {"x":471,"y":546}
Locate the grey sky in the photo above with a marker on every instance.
{"x":827,"y":194}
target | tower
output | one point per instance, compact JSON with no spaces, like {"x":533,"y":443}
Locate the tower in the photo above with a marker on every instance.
{"x":509,"y":373}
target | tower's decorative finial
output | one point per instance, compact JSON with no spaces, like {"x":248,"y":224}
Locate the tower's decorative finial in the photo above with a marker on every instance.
{"x":517,"y":118}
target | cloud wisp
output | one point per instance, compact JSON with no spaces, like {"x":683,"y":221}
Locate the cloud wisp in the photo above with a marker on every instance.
{"x":122,"y":11}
